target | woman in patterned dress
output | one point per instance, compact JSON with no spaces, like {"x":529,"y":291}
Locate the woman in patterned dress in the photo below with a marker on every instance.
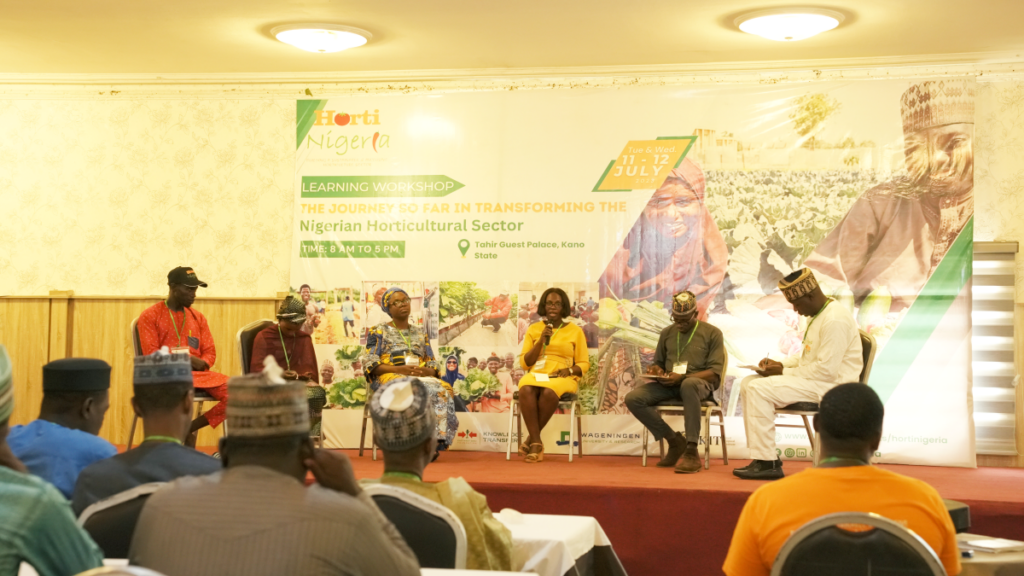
{"x":398,"y":349}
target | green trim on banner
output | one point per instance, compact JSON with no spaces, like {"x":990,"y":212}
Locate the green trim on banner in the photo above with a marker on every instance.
{"x":689,"y":145}
{"x":928,"y":309}
{"x":305,"y":115}
{"x":412,"y":186}
{"x":601,"y":179}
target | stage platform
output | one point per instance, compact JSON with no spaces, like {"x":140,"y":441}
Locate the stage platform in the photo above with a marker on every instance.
{"x":664,"y":523}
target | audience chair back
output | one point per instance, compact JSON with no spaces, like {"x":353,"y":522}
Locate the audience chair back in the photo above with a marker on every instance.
{"x":121,"y":571}
{"x":868,"y":349}
{"x":111,"y":522}
{"x":136,"y":341}
{"x":245,"y":338}
{"x":432,"y":531}
{"x":822,"y":546}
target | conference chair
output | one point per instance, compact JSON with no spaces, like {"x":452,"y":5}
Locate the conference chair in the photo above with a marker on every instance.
{"x":366,"y":421}
{"x":244,"y":340}
{"x":806,"y":410}
{"x":434,"y":533}
{"x":199,"y":396}
{"x":111,"y":521}
{"x":855,"y":544}
{"x":708,"y":408}
{"x":568,"y":401}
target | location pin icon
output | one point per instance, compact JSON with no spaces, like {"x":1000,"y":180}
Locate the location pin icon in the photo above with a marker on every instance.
{"x":463,"y":247}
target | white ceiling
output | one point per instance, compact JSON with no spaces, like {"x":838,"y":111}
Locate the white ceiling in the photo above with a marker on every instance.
{"x":232,"y":36}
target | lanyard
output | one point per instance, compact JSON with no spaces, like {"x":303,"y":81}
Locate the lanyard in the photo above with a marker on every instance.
{"x":692,"y":332}
{"x":161,"y":439}
{"x":815,"y":317}
{"x":407,"y":343}
{"x":288,"y":363}
{"x":175,"y":324}
{"x":404,"y":475}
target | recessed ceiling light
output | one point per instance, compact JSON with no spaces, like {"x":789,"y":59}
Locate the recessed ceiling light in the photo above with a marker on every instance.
{"x":322,"y":38}
{"x":789,"y":24}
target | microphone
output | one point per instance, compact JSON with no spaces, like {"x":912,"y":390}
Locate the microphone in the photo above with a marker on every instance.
{"x":547,"y":339}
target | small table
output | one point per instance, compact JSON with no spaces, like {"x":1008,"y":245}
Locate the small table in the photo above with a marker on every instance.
{"x":989,"y":564}
{"x":553,"y":545}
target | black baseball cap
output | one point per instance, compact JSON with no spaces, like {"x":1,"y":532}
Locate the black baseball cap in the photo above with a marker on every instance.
{"x":186,"y":276}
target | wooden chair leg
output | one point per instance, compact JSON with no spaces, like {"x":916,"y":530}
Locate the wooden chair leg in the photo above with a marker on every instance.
{"x":721,"y":435}
{"x":706,"y":417}
{"x":572,"y":429}
{"x":579,"y":429}
{"x":511,"y":417}
{"x":131,"y":433}
{"x":362,"y":435}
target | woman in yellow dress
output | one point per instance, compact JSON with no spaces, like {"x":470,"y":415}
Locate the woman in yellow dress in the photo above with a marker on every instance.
{"x":555,"y":355}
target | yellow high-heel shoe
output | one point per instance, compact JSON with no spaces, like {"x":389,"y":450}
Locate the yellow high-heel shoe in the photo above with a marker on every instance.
{"x":525,"y":448}
{"x":535,"y":455}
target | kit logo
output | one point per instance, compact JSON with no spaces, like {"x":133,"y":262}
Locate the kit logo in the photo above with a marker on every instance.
{"x":565,"y":440}
{"x":467,"y":434}
{"x":334,"y":118}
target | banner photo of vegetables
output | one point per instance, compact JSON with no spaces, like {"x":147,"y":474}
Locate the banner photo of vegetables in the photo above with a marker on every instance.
{"x":477,"y":383}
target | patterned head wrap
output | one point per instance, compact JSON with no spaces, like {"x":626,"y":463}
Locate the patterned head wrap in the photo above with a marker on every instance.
{"x":292,"y":310}
{"x":6,"y":386}
{"x":264,"y":405}
{"x":937,"y":103}
{"x":798,"y":284}
{"x":385,"y":301}
{"x":684,"y":302}
{"x":402,"y":418}
{"x":162,"y":367}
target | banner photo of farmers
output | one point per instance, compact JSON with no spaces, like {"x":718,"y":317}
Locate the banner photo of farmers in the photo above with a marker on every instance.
{"x":459,"y":214}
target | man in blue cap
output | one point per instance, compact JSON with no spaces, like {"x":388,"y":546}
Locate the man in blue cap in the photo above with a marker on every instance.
{"x":163,"y":399}
{"x":38,"y":527}
{"x":63,"y":440}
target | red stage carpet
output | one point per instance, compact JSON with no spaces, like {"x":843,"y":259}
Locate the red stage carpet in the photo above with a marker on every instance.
{"x":665,"y":523}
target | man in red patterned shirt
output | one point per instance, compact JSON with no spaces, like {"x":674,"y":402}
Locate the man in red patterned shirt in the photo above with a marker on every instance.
{"x":175,"y":324}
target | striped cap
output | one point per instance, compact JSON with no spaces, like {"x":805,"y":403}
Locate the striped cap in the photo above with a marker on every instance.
{"x":6,"y":386}
{"x":262,"y":405}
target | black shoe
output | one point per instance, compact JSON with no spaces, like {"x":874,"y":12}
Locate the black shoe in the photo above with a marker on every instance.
{"x":676,"y":447}
{"x":761,"y":470}
{"x":691,"y":461}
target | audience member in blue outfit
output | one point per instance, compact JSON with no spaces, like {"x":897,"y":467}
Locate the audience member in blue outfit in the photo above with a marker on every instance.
{"x":63,"y":441}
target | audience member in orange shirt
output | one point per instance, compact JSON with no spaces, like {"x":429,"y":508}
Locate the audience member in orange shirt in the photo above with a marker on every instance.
{"x":849,"y":425}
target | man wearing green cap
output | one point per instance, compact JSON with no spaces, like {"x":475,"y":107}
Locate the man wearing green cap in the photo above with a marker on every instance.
{"x":63,"y":440}
{"x":404,"y":428}
{"x":175,"y":324}
{"x":36,"y":524}
{"x":163,"y":399}
{"x":266,"y":520}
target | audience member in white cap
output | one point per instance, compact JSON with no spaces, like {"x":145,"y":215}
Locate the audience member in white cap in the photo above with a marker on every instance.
{"x":404,"y":428}
{"x":257,"y":517}
{"x":163,"y":400}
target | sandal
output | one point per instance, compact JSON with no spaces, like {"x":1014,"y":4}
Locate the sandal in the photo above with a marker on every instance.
{"x":525,"y":448}
{"x":535,"y":455}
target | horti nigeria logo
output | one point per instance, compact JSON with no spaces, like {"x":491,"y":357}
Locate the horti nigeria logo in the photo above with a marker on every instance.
{"x":350,"y":134}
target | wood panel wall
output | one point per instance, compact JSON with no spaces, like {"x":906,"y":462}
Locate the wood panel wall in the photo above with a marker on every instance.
{"x":38,"y":330}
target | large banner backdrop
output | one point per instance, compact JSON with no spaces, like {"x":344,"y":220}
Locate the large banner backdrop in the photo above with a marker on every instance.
{"x":476,"y":202}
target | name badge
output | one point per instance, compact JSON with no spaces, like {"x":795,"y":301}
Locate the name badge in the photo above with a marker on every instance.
{"x":412,"y":360}
{"x":539,"y":364}
{"x":680,"y":368}
{"x":180,"y":350}
{"x":541,"y":378}
{"x":193,"y":342}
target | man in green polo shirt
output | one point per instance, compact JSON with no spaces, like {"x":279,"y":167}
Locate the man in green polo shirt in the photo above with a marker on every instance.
{"x":690,"y":357}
